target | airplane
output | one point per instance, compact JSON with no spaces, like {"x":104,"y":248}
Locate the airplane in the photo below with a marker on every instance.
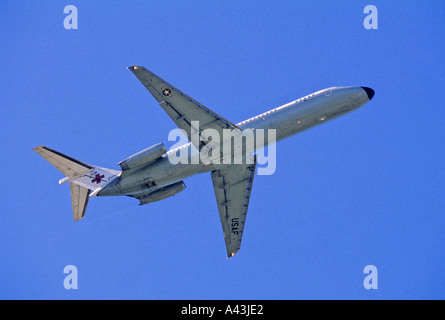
{"x":150,"y":176}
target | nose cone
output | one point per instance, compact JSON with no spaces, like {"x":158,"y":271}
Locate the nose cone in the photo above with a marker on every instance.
{"x":369,"y":92}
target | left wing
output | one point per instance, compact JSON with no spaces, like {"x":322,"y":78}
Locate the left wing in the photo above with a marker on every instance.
{"x":181,"y":108}
{"x":233,"y":186}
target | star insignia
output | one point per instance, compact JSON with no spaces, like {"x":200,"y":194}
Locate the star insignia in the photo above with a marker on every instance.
{"x":166,"y":92}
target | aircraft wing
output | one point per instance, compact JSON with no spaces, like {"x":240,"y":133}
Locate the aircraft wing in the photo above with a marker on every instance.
{"x":180,"y":107}
{"x":232,"y":187}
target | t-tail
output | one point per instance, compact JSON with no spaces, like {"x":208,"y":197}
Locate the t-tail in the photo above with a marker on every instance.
{"x":85,"y":180}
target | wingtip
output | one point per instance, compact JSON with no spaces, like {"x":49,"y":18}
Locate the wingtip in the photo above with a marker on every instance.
{"x":231,"y":254}
{"x":135,"y":67}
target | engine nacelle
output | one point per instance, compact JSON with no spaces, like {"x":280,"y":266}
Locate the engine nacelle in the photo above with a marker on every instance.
{"x":143,"y":157}
{"x":163,"y":193}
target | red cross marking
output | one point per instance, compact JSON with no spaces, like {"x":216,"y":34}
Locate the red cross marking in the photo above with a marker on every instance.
{"x":98,"y":178}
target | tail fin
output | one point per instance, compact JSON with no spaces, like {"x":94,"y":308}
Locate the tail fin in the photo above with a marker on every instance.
{"x":83,"y":177}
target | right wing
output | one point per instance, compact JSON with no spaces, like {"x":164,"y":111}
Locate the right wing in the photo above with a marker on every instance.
{"x":232,"y":186}
{"x":181,"y":108}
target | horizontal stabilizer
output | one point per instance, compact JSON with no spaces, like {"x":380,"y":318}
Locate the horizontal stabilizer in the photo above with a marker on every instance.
{"x":68,"y":166}
{"x":79,"y":200}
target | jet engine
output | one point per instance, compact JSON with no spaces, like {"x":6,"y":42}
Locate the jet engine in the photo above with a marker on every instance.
{"x":143,"y":157}
{"x":162,"y":193}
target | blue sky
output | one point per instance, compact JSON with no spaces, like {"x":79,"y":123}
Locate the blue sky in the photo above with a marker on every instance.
{"x":367,"y":188}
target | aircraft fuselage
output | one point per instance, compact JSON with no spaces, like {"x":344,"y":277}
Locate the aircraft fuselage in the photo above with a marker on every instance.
{"x":287,"y":120}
